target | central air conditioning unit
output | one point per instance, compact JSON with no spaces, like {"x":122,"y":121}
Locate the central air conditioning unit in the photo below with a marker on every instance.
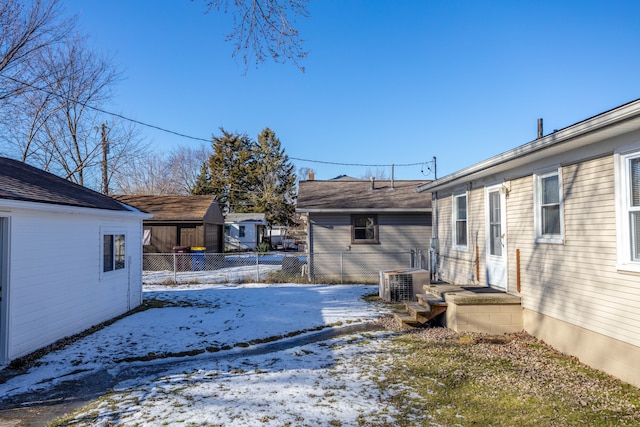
{"x":402,"y":284}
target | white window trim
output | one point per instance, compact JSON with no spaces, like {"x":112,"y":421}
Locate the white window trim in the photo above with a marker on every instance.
{"x":112,"y":273}
{"x":454,"y":220}
{"x":623,"y":222}
{"x":537,"y":207}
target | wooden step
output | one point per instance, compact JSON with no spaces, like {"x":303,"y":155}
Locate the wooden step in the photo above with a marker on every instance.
{"x":418,"y":312}
{"x":403,"y":317}
{"x":431,"y":300}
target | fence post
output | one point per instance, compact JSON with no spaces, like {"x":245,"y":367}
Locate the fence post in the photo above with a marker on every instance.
{"x":341,"y":268}
{"x":257,"y":266}
{"x":175,"y":268}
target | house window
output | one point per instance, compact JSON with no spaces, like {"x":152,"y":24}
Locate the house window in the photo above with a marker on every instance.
{"x":460,"y":221}
{"x":241,"y":232}
{"x":628,"y":210}
{"x":364,"y":229}
{"x":548,"y":207}
{"x":113,"y":252}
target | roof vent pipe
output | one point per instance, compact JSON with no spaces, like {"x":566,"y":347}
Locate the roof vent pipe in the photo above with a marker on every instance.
{"x":392,"y":176}
{"x":540,"y":133}
{"x":373,"y":183}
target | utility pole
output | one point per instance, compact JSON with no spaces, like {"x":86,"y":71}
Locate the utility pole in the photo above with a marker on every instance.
{"x":105,"y":150}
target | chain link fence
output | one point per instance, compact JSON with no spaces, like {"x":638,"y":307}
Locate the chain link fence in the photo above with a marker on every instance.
{"x":324,"y":267}
{"x":277,"y":267}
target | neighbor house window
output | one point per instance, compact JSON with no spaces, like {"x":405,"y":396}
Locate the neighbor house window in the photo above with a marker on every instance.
{"x":460,"y":221}
{"x":364,"y":229}
{"x":628,"y":210}
{"x":241,"y":231}
{"x":113,"y":252}
{"x":548,"y":207}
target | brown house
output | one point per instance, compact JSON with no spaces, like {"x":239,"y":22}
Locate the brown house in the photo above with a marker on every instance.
{"x":194,"y":221}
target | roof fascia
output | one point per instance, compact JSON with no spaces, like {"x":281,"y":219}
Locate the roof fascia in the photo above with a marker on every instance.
{"x":366,"y":210}
{"x":6,"y":205}
{"x":576,"y":133}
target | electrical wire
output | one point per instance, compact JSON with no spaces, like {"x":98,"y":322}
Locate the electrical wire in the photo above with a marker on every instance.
{"x":182,"y":135}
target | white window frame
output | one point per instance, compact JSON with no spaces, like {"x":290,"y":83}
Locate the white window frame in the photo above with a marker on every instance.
{"x":624,"y":208}
{"x":454,"y":221}
{"x":540,"y":237}
{"x":114,"y":271}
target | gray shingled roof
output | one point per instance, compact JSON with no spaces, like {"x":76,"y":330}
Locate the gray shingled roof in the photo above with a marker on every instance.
{"x":242,"y":217}
{"x":171,"y":208}
{"x":357,"y":194}
{"x":19,"y":181}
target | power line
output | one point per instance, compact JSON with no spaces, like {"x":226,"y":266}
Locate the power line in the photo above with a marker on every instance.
{"x":182,"y":135}
{"x":356,"y":164}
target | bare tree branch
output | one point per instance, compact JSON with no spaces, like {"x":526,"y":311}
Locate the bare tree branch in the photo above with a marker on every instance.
{"x":264,"y":28}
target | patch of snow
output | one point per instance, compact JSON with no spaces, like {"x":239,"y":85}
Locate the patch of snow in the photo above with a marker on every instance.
{"x":314,"y":384}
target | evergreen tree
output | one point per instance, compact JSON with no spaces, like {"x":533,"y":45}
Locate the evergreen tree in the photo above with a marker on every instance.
{"x":274,"y":181}
{"x":203,"y":184}
{"x":231,"y":166}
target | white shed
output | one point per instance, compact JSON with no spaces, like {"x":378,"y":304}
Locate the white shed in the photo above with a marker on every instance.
{"x":70,"y":258}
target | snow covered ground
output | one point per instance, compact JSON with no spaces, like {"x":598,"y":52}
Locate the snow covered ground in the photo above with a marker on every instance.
{"x":197,"y":359}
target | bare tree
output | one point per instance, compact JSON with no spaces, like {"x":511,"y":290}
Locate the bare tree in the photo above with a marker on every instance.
{"x":185,"y":164}
{"x":82,"y":81}
{"x":148,"y":175}
{"x":26,"y":27}
{"x":264,"y":28}
{"x":124,"y":147}
{"x":379,"y":174}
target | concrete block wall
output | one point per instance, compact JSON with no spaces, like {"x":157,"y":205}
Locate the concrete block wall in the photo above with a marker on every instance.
{"x":485,"y":318}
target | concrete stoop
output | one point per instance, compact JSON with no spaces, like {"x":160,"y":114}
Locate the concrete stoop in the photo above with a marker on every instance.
{"x":466,"y":309}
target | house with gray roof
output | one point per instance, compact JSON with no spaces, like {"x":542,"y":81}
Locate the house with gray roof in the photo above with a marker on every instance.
{"x":70,"y":258}
{"x":357,"y":227}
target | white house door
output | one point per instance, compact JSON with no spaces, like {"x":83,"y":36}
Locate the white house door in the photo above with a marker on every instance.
{"x":496,"y":238}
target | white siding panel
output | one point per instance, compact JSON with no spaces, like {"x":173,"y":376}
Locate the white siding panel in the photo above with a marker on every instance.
{"x":56,"y":286}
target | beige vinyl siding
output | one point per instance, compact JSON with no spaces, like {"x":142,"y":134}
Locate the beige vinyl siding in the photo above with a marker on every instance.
{"x":477,"y":233}
{"x":577,"y":281}
{"x":459,"y":266}
{"x":333,"y":250}
{"x":456,"y":265}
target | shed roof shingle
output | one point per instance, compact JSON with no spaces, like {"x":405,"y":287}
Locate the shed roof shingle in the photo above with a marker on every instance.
{"x":357,"y":194}
{"x":20,"y":181}
{"x":171,"y":208}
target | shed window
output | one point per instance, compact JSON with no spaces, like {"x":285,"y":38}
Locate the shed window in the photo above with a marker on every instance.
{"x":548,"y":207}
{"x":113,"y":252}
{"x":364,"y":229}
{"x":460,"y":221}
{"x":146,"y":236}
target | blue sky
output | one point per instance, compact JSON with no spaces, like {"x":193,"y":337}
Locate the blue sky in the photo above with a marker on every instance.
{"x":386,"y":82}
